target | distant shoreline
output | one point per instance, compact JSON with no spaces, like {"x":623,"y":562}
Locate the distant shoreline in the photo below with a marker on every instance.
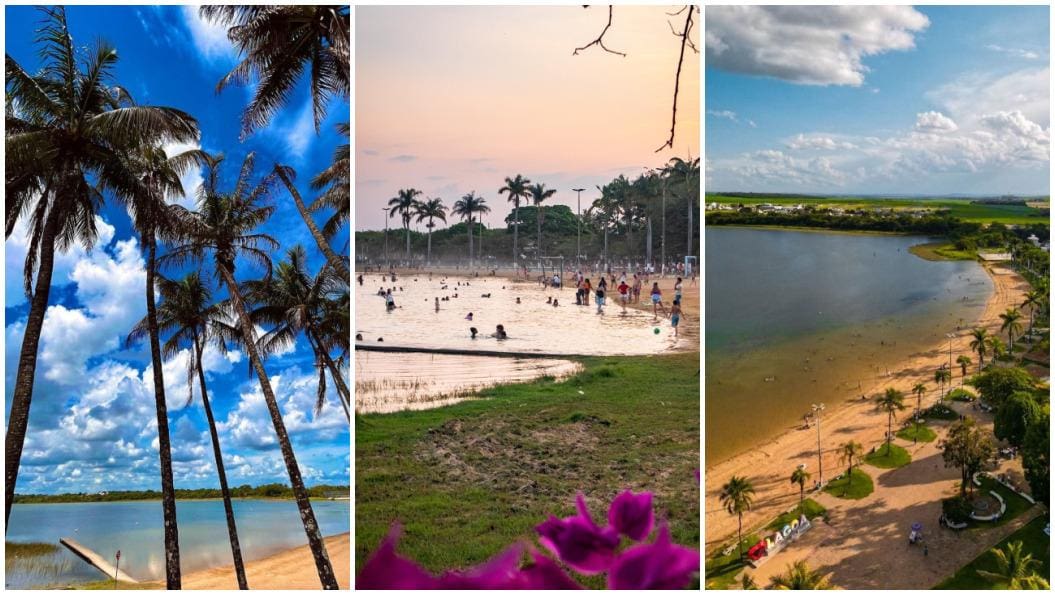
{"x":59,"y":499}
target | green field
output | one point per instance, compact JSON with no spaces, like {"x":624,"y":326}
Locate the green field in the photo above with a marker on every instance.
{"x":470,"y":479}
{"x":912,"y":434}
{"x":889,"y":456}
{"x":960,"y":208}
{"x":1032,"y":537}
{"x":940,"y":251}
{"x":855,"y":486}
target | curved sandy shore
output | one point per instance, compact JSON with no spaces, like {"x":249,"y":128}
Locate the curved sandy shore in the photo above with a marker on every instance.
{"x":770,"y":465}
{"x":291,"y":569}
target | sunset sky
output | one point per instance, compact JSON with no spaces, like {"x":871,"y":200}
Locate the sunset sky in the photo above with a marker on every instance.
{"x":454,"y":99}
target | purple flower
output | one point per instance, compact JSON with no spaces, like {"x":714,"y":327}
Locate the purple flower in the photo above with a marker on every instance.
{"x":500,"y":572}
{"x":387,"y":570}
{"x":658,"y":565}
{"x":632,"y":515}
{"x":578,"y":541}
{"x":545,"y":574}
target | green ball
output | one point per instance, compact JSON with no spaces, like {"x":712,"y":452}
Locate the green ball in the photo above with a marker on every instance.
{"x":656,"y":330}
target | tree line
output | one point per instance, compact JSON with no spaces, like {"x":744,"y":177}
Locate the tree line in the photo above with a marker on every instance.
{"x":267,"y":490}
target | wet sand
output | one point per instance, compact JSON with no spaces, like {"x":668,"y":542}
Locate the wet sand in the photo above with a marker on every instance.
{"x":770,"y":464}
{"x":291,"y":569}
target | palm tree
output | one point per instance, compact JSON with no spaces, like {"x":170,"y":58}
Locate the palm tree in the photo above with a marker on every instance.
{"x":848,"y":451}
{"x":737,"y":496}
{"x":467,"y":206}
{"x":405,"y":203}
{"x":1012,"y":325}
{"x":68,"y":131}
{"x":518,"y":190}
{"x":891,"y":402}
{"x":294,"y":302}
{"x":688,"y":171}
{"x":335,"y":182}
{"x":224,"y":226}
{"x":920,"y":389}
{"x":996,"y":346}
{"x":980,"y":344}
{"x":1033,"y":300}
{"x":430,"y":209}
{"x":287,"y":175}
{"x":276,"y":43}
{"x":1016,"y":569}
{"x":964,"y":361}
{"x":539,"y":193}
{"x":800,"y":476}
{"x":799,"y":577}
{"x":941,"y":375}
{"x":187,"y":312}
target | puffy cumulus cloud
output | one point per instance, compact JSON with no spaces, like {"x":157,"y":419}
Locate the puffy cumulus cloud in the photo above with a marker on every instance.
{"x":771,"y":166}
{"x":210,"y":39}
{"x":817,"y":142}
{"x":813,"y":45}
{"x":17,"y":246}
{"x":934,"y":122}
{"x":973,"y":95}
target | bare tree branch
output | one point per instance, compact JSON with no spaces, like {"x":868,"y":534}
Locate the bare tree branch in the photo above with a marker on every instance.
{"x":685,"y":41}
{"x":600,"y":38}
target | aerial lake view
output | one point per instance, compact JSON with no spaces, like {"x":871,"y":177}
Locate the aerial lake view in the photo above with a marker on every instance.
{"x":801,"y":317}
{"x":265,"y":527}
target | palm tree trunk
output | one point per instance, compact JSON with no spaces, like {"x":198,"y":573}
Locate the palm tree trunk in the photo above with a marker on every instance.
{"x":232,"y":530}
{"x":740,"y":533}
{"x":168,"y":491}
{"x":406,"y":230}
{"x":516,"y":234}
{"x":428,"y":250}
{"x":324,"y":246}
{"x":18,"y":419}
{"x":889,"y":429}
{"x":688,"y":191}
{"x":538,"y":229}
{"x":307,"y":515}
{"x":802,"y":492}
{"x":335,"y":373}
{"x":470,"y":226}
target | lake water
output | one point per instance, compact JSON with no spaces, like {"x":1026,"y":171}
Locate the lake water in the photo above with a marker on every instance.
{"x":265,"y":527}
{"x":796,"y":317}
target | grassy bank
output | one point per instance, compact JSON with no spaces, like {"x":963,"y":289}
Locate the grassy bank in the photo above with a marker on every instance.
{"x":938,"y":251}
{"x":470,"y":479}
{"x":1034,"y":541}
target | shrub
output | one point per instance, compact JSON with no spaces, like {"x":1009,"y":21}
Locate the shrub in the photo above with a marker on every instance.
{"x":956,"y":509}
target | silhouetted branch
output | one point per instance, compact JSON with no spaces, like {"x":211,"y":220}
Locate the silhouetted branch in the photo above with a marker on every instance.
{"x":685,"y":41}
{"x":600,"y":38}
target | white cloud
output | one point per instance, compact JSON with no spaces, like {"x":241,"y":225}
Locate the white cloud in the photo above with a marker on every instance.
{"x":17,"y":246}
{"x":934,"y":122}
{"x":190,"y":180}
{"x":209,"y":38}
{"x":817,"y":142}
{"x":1017,"y":52}
{"x":725,"y":114}
{"x":973,"y":95}
{"x":814,"y":45}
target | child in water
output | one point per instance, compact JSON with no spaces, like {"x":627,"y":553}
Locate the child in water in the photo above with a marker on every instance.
{"x":500,"y":333}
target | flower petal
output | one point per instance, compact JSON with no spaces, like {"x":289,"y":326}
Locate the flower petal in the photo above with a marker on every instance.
{"x":545,"y":574}
{"x":578,"y":541}
{"x":632,"y":515}
{"x":658,"y":565}
{"x":386,"y":569}
{"x":500,"y":572}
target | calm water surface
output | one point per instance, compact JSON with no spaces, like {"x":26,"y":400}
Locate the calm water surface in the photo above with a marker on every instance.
{"x":265,"y":527}
{"x":794,"y":318}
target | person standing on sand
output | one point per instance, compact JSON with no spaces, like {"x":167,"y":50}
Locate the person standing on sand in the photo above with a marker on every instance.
{"x":586,"y":289}
{"x":657,"y":301}
{"x":624,"y":294}
{"x":637,"y":289}
{"x":677,"y":290}
{"x":675,"y":315}
{"x":599,"y":296}
{"x":437,"y":304}
{"x":360,"y":279}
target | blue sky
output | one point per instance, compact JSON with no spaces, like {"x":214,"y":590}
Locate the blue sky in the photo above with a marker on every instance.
{"x":924,"y":100}
{"x":92,"y":424}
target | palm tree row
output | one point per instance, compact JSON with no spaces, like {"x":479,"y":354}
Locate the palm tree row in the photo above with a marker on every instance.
{"x":70,"y":123}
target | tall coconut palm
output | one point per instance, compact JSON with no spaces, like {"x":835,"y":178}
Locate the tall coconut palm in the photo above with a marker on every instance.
{"x":737,"y":497}
{"x":848,"y":452}
{"x":276,"y":44}
{"x":941,"y":376}
{"x":288,"y":175}
{"x":919,"y":390}
{"x":996,"y":347}
{"x":517,"y":188}
{"x":980,"y":344}
{"x":1033,"y":301}
{"x":69,"y":128}
{"x":964,"y":361}
{"x":1010,"y":323}
{"x":1016,"y":569}
{"x":430,"y":209}
{"x":292,"y":302}
{"x":467,"y":207}
{"x":890,"y":402}
{"x":186,"y":312}
{"x":335,"y":184}
{"x":689,"y":171}
{"x":799,"y":577}
{"x":224,"y":227}
{"x":800,"y":476}
{"x":405,"y":203}
{"x":539,"y":193}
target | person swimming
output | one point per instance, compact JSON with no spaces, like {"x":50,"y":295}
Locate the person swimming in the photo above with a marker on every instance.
{"x":473,"y":332}
{"x":358,"y":336}
{"x":518,"y":300}
{"x":555,"y":304}
{"x":500,"y":333}
{"x":469,"y":316}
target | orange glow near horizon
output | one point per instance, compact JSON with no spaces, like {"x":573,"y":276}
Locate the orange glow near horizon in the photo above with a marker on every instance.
{"x":454,"y":99}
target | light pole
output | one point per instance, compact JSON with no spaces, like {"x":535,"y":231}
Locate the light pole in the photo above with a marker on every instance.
{"x":578,"y":223}
{"x":817,"y":409}
{"x":385,"y":209}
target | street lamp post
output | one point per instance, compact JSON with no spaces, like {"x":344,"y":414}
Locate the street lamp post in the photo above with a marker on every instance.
{"x":817,"y":409}
{"x":578,"y":222}
{"x":385,"y":209}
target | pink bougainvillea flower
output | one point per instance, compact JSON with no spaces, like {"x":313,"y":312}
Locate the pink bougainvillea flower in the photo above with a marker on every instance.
{"x":632,"y":515}
{"x":545,"y":574}
{"x":657,"y":565}
{"x":578,"y":541}
{"x":388,"y":570}
{"x":500,"y":572}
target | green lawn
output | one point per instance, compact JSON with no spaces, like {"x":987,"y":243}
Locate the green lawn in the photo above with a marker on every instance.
{"x":923,"y":434}
{"x":962,"y":395}
{"x":1016,"y":504}
{"x":470,"y":479}
{"x":941,"y":251}
{"x":853,"y":487}
{"x":889,"y":456}
{"x":809,"y":506}
{"x":941,"y":412}
{"x":1034,"y":541}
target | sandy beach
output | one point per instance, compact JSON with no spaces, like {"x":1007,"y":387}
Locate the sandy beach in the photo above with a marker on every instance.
{"x":291,"y":569}
{"x":770,"y":464}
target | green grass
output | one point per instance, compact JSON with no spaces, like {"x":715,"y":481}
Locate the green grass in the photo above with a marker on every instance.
{"x":470,"y":479}
{"x":1034,"y":541}
{"x":1016,"y":504}
{"x":941,"y":412}
{"x":923,"y":434}
{"x":721,"y":570}
{"x":28,"y":550}
{"x":938,"y":251}
{"x":962,"y":395}
{"x":809,"y":506}
{"x":888,"y":456}
{"x":860,"y":486}
{"x":105,"y":585}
